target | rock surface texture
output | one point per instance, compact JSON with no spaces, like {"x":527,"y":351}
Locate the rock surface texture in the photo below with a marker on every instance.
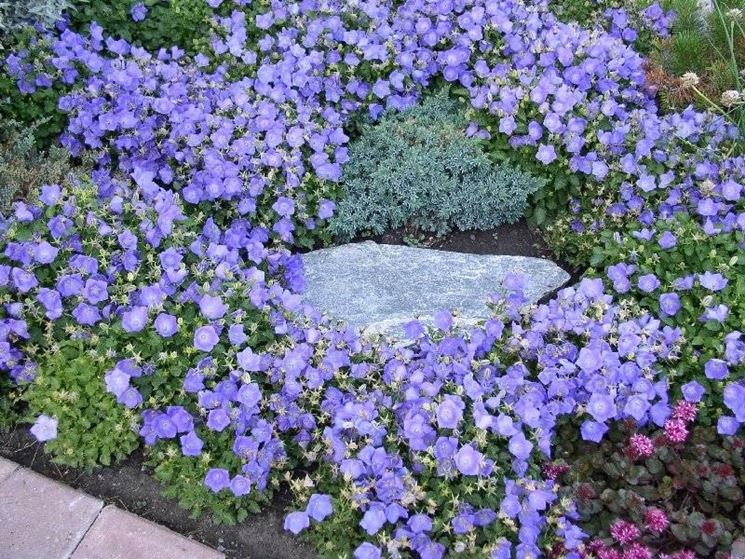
{"x":378,"y":288}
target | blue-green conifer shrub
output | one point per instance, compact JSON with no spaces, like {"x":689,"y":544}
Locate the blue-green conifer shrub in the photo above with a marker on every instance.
{"x":418,"y":169}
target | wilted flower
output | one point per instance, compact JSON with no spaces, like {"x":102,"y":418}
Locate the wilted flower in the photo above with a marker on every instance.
{"x":689,"y":79}
{"x":730,"y":97}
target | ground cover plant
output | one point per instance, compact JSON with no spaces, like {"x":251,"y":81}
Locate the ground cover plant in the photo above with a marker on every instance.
{"x":169,"y":274}
{"x":681,"y":486}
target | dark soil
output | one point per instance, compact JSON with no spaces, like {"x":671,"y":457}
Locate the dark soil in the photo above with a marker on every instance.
{"x":129,"y":486}
{"x":514,"y":239}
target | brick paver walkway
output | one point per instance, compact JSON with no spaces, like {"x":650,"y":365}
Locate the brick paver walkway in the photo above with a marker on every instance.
{"x":43,"y":519}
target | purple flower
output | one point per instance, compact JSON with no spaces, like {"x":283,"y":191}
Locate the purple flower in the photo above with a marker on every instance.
{"x":727,"y":425}
{"x":212,"y":307}
{"x":373,"y":520}
{"x":191,"y":444}
{"x":166,"y":325}
{"x":366,"y":550}
{"x":164,"y":427}
{"x":734,"y":399}
{"x":319,"y":506}
{"x":443,"y":320}
{"x":445,"y":448}
{"x":462,"y":523}
{"x":131,"y":398}
{"x":52,"y":302}
{"x":636,"y":407}
{"x":248,"y":360}
{"x":712,"y":282}
{"x":450,"y":412}
{"x":326,"y":209}
{"x":296,"y":522}
{"x":468,"y":460}
{"x":589,"y":360}
{"x":284,"y":206}
{"x":50,"y":194}
{"x":44,"y":253}
{"x":510,"y":506}
{"x":86,"y":314}
{"x":240,"y":486}
{"x":601,"y":407}
{"x":205,"y":338}
{"x":249,"y":395}
{"x":505,"y":425}
{"x":648,"y":283}
{"x":217,"y":479}
{"x":236,"y":334}
{"x":24,"y":281}
{"x":669,"y":303}
{"x":138,"y":12}
{"x":419,"y":523}
{"x":519,"y":446}
{"x":96,"y":291}
{"x":503,"y":550}
{"x":593,"y":431}
{"x":70,"y":285}
{"x":667,"y":240}
{"x":546,"y":154}
{"x":718,"y":313}
{"x":117,"y":381}
{"x":134,"y":320}
{"x":44,"y":428}
{"x":693,"y":391}
{"x":418,"y":431}
{"x":716,"y":369}
{"x":218,"y":420}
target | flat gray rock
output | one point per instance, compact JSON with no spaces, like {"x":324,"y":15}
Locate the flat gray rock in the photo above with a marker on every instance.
{"x":378,"y":288}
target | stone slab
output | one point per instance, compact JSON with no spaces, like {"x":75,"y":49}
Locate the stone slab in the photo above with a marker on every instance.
{"x":378,"y":288}
{"x":118,"y":534}
{"x":40,"y":518}
{"x":6,"y":468}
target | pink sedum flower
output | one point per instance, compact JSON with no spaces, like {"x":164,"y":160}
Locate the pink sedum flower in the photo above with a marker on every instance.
{"x":685,"y":411}
{"x":640,"y":446}
{"x":624,"y":532}
{"x":655,"y":520}
{"x":607,"y":553}
{"x":637,"y":551}
{"x":675,"y":430}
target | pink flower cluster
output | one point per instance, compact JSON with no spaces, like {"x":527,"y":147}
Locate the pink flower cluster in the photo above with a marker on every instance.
{"x":625,"y":534}
{"x":676,"y":430}
{"x":655,"y":520}
{"x":640,"y":446}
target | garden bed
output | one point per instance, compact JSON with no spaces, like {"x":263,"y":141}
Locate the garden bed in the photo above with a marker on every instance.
{"x":155,"y":301}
